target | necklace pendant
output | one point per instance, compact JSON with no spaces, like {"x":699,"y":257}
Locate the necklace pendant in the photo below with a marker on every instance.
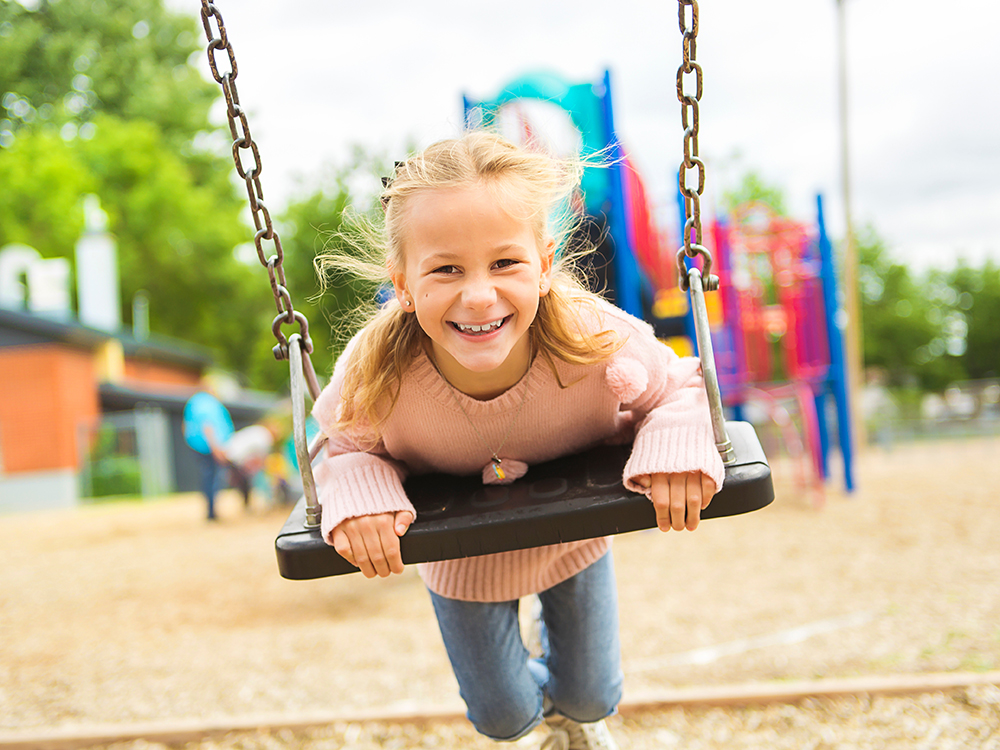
{"x":497,"y":469}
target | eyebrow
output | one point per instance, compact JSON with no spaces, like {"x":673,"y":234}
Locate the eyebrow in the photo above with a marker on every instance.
{"x":444,"y":256}
{"x":440,"y":257}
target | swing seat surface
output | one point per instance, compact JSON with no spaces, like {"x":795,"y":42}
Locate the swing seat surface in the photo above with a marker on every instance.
{"x":572,"y":498}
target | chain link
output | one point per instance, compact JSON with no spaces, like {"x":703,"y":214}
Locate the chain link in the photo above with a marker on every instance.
{"x":692,"y":161}
{"x":245,"y":148}
{"x":704,"y":280}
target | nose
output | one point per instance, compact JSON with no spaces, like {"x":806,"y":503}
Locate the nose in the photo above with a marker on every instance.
{"x":479,"y":292}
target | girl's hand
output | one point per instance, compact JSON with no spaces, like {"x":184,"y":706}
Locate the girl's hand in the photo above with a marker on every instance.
{"x":371,"y":543}
{"x":679,"y":498}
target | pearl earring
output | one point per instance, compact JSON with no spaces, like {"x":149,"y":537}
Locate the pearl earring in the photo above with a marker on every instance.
{"x":406,"y":304}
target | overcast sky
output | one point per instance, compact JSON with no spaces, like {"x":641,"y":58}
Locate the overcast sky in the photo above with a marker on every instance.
{"x":317,"y":76}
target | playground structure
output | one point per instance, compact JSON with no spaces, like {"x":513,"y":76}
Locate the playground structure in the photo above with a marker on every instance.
{"x":779,"y":338}
{"x":774,"y":325}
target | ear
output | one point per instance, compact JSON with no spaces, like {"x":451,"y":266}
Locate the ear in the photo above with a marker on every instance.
{"x":548,"y":255}
{"x":402,"y":293}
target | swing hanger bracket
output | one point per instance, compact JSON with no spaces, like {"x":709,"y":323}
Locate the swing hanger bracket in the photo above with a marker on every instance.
{"x":280,"y":349}
{"x":709,"y":281}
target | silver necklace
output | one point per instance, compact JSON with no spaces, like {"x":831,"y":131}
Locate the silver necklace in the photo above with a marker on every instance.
{"x":494,"y":457}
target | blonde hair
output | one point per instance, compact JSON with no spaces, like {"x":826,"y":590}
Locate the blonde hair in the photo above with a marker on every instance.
{"x":531,"y":186}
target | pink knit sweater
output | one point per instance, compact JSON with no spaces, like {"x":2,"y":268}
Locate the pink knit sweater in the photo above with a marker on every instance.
{"x":644,"y":391}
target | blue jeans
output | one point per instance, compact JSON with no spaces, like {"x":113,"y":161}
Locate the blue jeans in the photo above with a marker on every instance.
{"x":578,"y":675}
{"x":211,"y":480}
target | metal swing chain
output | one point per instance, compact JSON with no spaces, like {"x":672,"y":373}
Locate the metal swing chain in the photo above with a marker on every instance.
{"x":297,"y":347}
{"x":690,"y":122}
{"x":239,"y":128}
{"x":698,"y":282}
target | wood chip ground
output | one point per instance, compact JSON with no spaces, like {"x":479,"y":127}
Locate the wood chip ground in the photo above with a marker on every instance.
{"x":123,"y":613}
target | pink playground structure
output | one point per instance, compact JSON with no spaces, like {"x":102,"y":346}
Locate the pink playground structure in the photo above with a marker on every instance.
{"x":778,"y":342}
{"x":775,"y":331}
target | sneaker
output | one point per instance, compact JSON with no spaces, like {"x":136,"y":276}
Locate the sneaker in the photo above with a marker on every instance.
{"x":566,"y":734}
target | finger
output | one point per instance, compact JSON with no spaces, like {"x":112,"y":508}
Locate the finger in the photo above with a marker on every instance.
{"x":390,"y":548}
{"x":343,"y":546}
{"x":403,"y":520}
{"x":708,"y":490}
{"x":361,"y":555}
{"x":360,"y":534}
{"x":374,"y":551}
{"x":660,"y":495}
{"x":678,"y":501}
{"x":643,"y":481}
{"x":693,"y":488}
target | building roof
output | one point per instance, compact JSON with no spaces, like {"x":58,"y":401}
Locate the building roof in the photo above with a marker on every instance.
{"x":247,"y":407}
{"x":19,"y":328}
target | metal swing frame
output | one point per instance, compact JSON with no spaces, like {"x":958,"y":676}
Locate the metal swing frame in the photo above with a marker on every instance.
{"x":572,"y":498}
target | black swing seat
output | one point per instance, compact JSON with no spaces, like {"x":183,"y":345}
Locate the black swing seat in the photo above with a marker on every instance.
{"x":572,"y":498}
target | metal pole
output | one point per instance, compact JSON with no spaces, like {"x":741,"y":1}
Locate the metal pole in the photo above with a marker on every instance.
{"x":853,"y":332}
{"x":707,"y":356}
{"x":838,"y":375}
{"x":298,"y":395}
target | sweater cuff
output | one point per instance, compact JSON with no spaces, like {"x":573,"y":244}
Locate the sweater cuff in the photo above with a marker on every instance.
{"x":360,"y":491}
{"x":674,"y":451}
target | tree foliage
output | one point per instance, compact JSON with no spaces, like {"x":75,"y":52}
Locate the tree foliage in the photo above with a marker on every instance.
{"x":100,"y":98}
{"x":924,"y":331}
{"x":67,"y":60}
{"x":977,"y":301}
{"x":103,"y":97}
{"x":903,"y":325}
{"x":928,"y":330}
{"x":319,"y":222}
{"x":43,"y":179}
{"x":753,"y":189}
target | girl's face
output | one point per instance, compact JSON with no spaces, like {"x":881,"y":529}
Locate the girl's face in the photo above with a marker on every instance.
{"x":473,"y":275}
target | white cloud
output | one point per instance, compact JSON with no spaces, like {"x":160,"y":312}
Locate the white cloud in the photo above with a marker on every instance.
{"x":924,"y":109}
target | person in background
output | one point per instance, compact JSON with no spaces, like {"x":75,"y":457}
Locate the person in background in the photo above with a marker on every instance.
{"x":207,"y":428}
{"x":247,"y":451}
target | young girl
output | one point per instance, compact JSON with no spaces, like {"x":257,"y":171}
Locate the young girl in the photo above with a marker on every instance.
{"x":492,"y":357}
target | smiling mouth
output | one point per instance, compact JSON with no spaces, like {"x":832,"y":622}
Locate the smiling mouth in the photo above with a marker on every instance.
{"x":479,"y":330}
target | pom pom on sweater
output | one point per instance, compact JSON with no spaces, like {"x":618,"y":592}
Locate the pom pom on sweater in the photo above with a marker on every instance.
{"x":627,"y":378}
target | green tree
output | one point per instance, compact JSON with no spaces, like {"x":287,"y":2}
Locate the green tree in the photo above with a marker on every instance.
{"x":906,"y":325}
{"x":753,"y":189}
{"x":100,"y":97}
{"x":977,"y":304}
{"x":316,"y":223}
{"x":66,"y":60}
{"x":43,"y":179}
{"x":175,"y":237}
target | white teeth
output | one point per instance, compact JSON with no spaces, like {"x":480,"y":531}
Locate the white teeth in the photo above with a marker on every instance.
{"x":480,"y":329}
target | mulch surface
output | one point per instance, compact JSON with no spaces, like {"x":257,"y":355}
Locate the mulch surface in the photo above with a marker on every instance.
{"x":132,"y":612}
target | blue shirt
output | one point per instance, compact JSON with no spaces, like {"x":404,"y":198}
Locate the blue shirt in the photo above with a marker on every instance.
{"x":205,"y":410}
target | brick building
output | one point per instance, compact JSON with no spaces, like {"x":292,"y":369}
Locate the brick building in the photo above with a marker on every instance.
{"x":61,"y":380}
